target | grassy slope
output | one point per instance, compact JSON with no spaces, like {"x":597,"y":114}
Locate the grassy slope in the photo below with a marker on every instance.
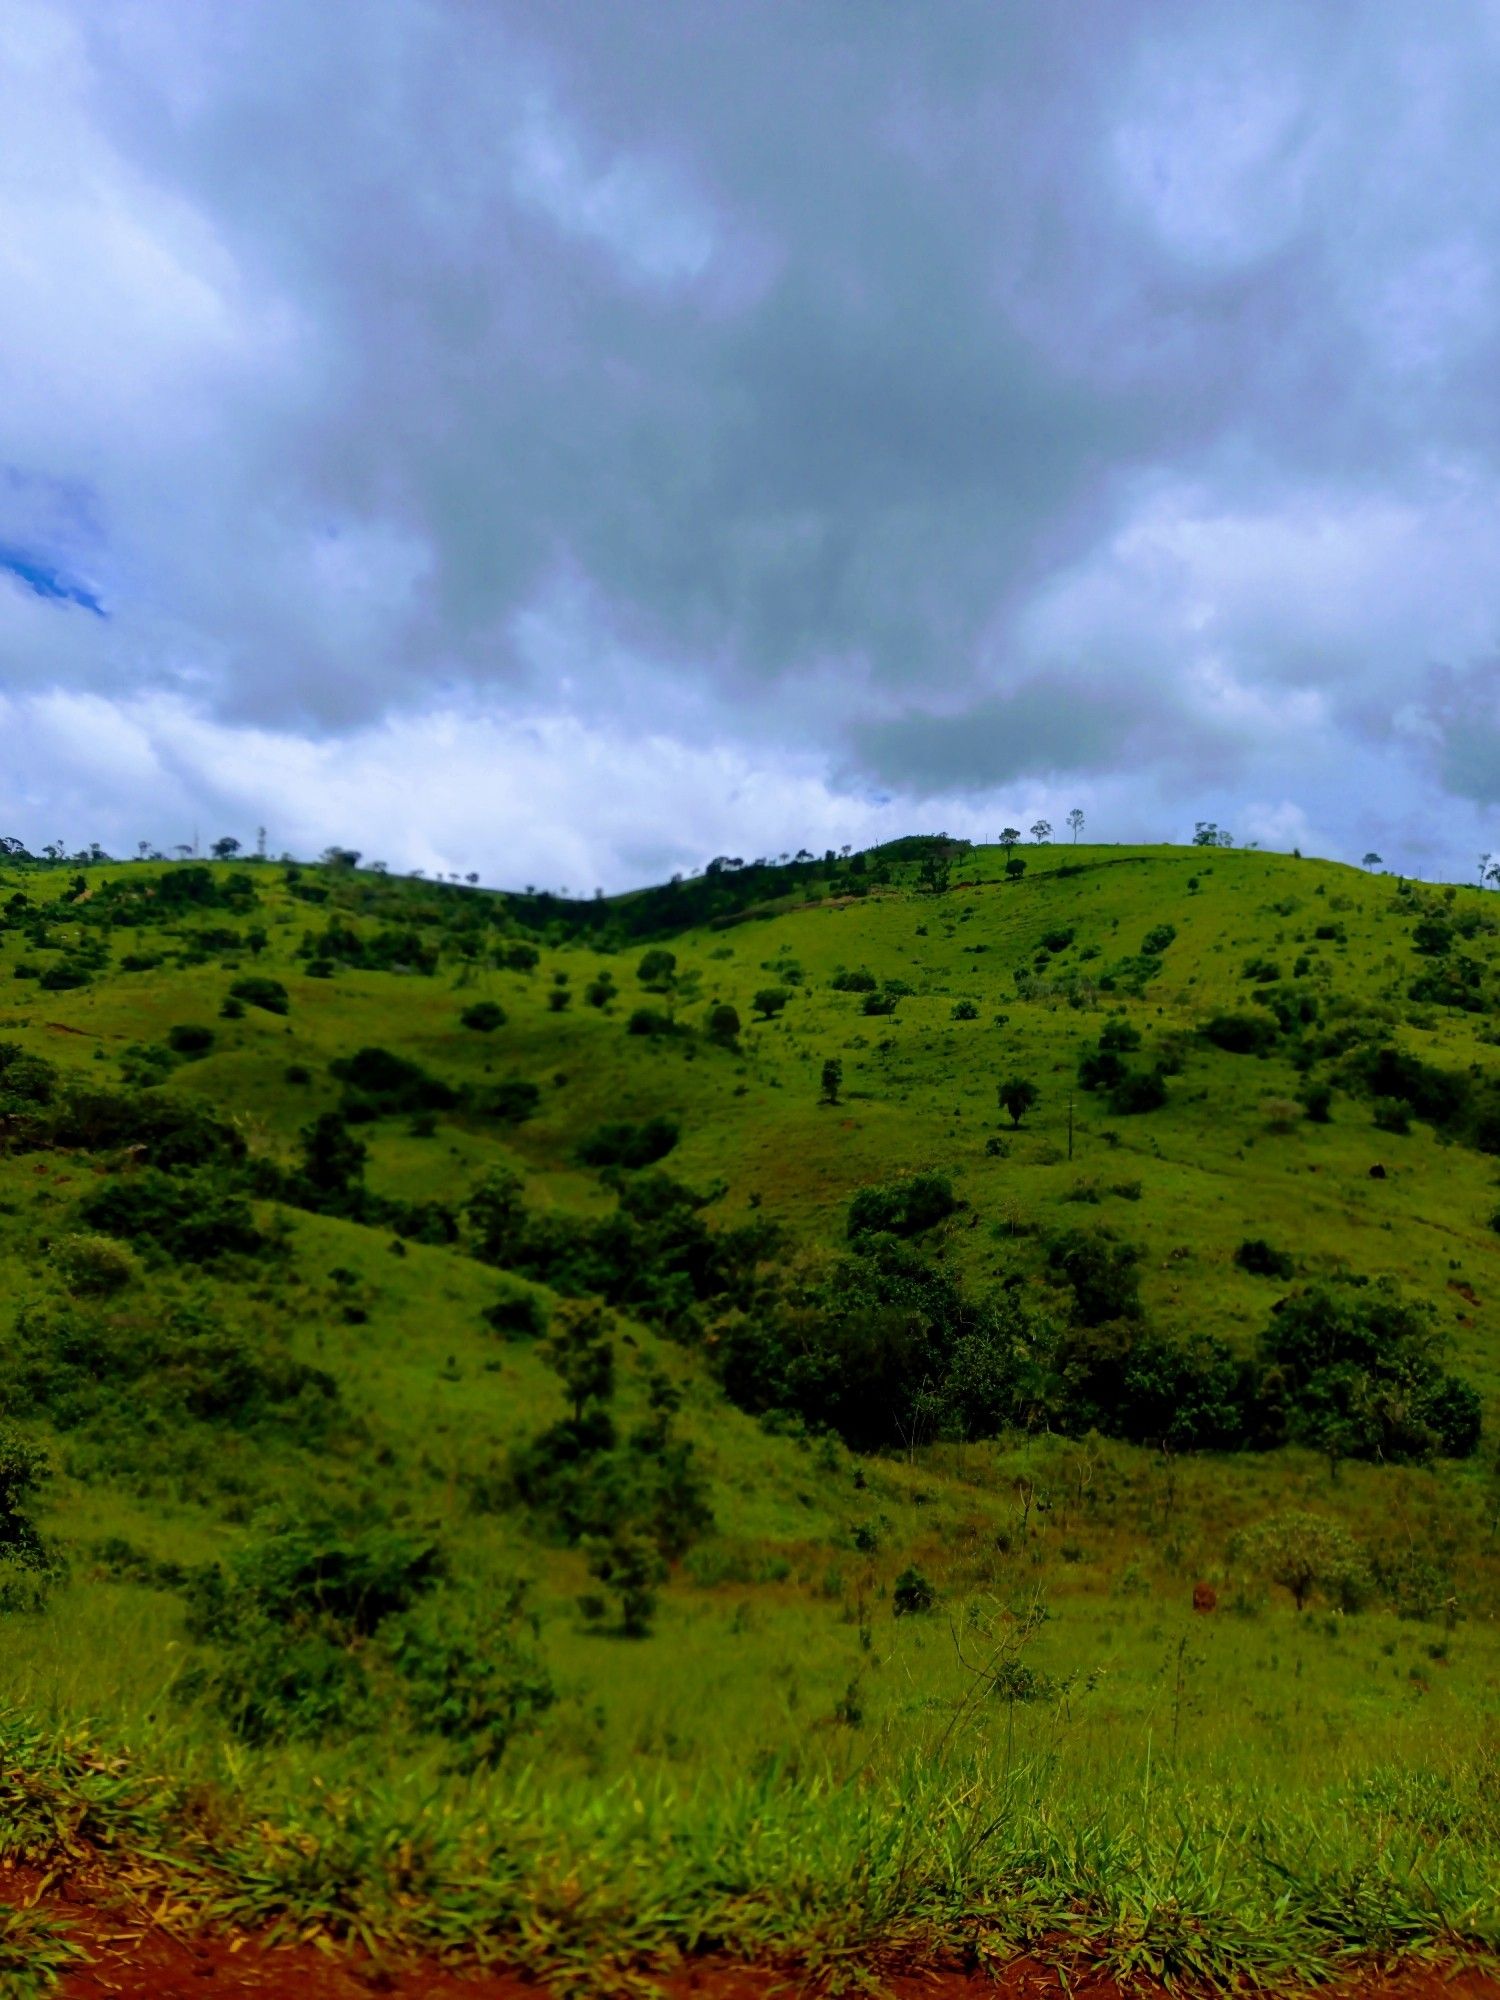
{"x":777,"y":1627}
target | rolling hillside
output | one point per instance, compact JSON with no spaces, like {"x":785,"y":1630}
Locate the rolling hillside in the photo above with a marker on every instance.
{"x":612,"y":1386}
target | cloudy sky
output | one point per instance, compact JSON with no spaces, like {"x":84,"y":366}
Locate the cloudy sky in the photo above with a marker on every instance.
{"x":571,"y":439}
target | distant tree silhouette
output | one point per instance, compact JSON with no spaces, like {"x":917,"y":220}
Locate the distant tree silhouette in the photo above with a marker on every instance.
{"x":1075,"y":820}
{"x":226,"y":848}
{"x":1041,"y":830}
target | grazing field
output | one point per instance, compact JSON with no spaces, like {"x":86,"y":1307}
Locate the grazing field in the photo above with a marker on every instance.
{"x":581,"y":1434}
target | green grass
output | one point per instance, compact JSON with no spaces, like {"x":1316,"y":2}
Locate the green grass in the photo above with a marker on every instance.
{"x":785,"y":1769}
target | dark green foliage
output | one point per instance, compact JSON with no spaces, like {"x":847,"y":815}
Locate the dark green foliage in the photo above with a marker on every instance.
{"x":1119,"y":1035}
{"x":1432,"y":936}
{"x":1241,"y":1034}
{"x":724,"y":1025}
{"x":469,"y":1676}
{"x":657,"y":969}
{"x":600,"y":991}
{"x":1391,"y":1115}
{"x":580,"y":1349}
{"x":653,"y":1024}
{"x":965,"y":1010}
{"x":1354,"y":1369}
{"x":378,"y":1084}
{"x":880,"y":1003}
{"x":484,"y":1016}
{"x":1058,"y":940}
{"x":63,"y":976}
{"x":333,"y":1160}
{"x":832,"y":1080}
{"x":1138,"y":1091}
{"x":24,"y":1472}
{"x":169,"y":1133}
{"x":1018,"y":1095}
{"x":1102,"y":1271}
{"x":623,"y":1143}
{"x":517,"y":1315}
{"x":853,"y":982}
{"x":27,"y":1083}
{"x":188,"y":1039}
{"x":510,"y":1102}
{"x":127,"y":1372}
{"x":1015,"y":868}
{"x":1257,"y":1257}
{"x":771,"y":1000}
{"x":518,"y":957}
{"x":1456,"y":982}
{"x":628,"y":1564}
{"x":901,"y":1208}
{"x":257,"y":991}
{"x":1156,"y":940}
{"x":190,"y":1218}
{"x":912,"y":1595}
{"x":1317,"y":1102}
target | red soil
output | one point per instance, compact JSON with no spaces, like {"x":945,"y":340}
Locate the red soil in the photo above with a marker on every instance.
{"x":131,"y":1957}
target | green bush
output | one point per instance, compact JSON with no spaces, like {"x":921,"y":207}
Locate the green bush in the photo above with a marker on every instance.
{"x":901,"y":1208}
{"x":93,"y":1267}
{"x":622,"y":1143}
{"x":258,"y":991}
{"x":192,"y":1219}
{"x":853,"y":982}
{"x":912,"y":1595}
{"x":484,"y":1016}
{"x":189,"y":1039}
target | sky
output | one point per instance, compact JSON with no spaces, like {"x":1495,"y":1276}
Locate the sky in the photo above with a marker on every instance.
{"x":566,"y":442}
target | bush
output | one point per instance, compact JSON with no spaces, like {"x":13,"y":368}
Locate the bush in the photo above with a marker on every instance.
{"x":1241,"y":1034}
{"x":653,"y":1024}
{"x":1155,"y":942}
{"x":965,"y":1010}
{"x":93,"y":1267}
{"x":1257,"y":1257}
{"x":624,"y":1144}
{"x":912,"y":1595}
{"x":1317,"y":1102}
{"x":853,"y":982}
{"x":379,"y":1084}
{"x":657,"y":969}
{"x":1119,"y":1035}
{"x":1139,"y":1091}
{"x":257,"y":991}
{"x":1057,"y":940}
{"x":771,"y":1000}
{"x":724,"y":1025}
{"x":879,"y":1003}
{"x":483,"y":1017}
{"x":191,"y":1219}
{"x":511,"y":1102}
{"x":901,"y":1208}
{"x":1306,"y":1553}
{"x":1102,"y":1272}
{"x":517,"y":1315}
{"x":187,"y":1039}
{"x":470,"y":1679}
{"x":1391,"y":1115}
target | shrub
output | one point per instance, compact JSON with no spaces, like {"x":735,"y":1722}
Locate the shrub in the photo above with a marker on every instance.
{"x":1391,"y":1115}
{"x":1102,"y":1272}
{"x":901,"y":1208}
{"x":1139,"y":1091}
{"x":187,"y":1039}
{"x":93,"y":1267}
{"x":1241,"y":1034}
{"x":657,"y":969}
{"x":484,"y":1016}
{"x":190,"y":1218}
{"x":724,"y":1024}
{"x":258,"y":991}
{"x":649,"y":1021}
{"x":877,"y":1004}
{"x":379,"y":1084}
{"x":512,"y":1101}
{"x":1156,"y":940}
{"x":853,"y":982}
{"x":518,"y":957}
{"x":1119,"y":1034}
{"x":1057,"y":940}
{"x":469,"y":1678}
{"x":1306,"y":1553}
{"x":771,"y":1000}
{"x":624,"y":1144}
{"x":965,"y":1010}
{"x":1257,"y":1257}
{"x":1018,"y":1095}
{"x":912,"y":1594}
{"x":517,"y":1315}
{"x":1317,"y":1102}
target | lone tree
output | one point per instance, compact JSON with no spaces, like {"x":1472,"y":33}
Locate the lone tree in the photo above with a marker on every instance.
{"x":226,"y":849}
{"x":1371,"y":860}
{"x":1018,"y":1094}
{"x":1015,"y":868}
{"x":1075,"y":820}
{"x":724,"y":1025}
{"x":1009,"y":835}
{"x":934,"y":872}
{"x":1041,"y":829}
{"x":833,"y":1077}
{"x":1304,"y":1553}
{"x":579,"y":1350}
{"x":770,"y":1000}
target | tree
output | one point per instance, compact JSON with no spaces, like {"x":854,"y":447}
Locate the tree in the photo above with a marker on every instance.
{"x":1041,"y":830}
{"x":1009,"y":835}
{"x":1304,"y":1553}
{"x":1484,"y":865}
{"x":1205,"y":833}
{"x":657,"y":969}
{"x":833,"y":1077}
{"x":1075,"y":820}
{"x":340,"y":857}
{"x":580,"y":1351}
{"x":724,"y":1025}
{"x":629,"y":1565}
{"x":1018,"y":1094}
{"x":225,"y":849}
{"x":1371,"y":860}
{"x":935,"y":872}
{"x":332,"y":1158}
{"x":770,"y":1000}
{"x":1015,"y":868}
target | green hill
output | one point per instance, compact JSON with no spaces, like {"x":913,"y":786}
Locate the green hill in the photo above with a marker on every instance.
{"x":587,"y":1431}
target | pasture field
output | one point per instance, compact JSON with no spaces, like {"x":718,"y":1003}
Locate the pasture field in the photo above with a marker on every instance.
{"x":584,"y":1434}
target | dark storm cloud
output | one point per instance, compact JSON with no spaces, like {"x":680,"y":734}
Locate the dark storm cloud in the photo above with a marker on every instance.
{"x":973,"y":393}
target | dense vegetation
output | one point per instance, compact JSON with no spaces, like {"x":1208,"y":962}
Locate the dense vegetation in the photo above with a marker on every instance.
{"x":454,"y":1335}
